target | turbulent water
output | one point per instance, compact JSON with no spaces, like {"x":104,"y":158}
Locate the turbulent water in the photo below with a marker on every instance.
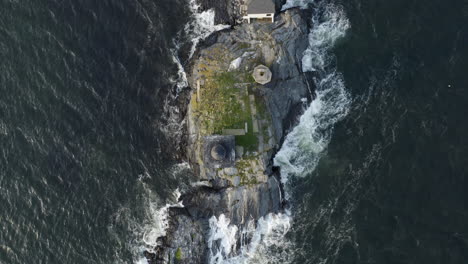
{"x":374,"y":171}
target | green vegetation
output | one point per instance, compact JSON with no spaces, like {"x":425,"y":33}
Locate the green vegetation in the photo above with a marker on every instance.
{"x":178,"y":254}
{"x":249,"y":141}
{"x":224,"y":100}
{"x":248,"y":77}
{"x":226,"y":80}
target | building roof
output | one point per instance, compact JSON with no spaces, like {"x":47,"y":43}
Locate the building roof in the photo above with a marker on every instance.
{"x":262,"y":74}
{"x":261,"y":7}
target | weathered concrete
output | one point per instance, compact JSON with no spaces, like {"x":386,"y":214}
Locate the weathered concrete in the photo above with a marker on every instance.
{"x":262,"y":74}
{"x":250,"y":189}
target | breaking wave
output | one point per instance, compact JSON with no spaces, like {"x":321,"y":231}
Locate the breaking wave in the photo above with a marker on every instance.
{"x":301,"y":151}
{"x":263,"y":241}
{"x":303,"y":147}
{"x":156,"y":216}
{"x":296,"y":3}
{"x":202,"y":25}
{"x":330,"y":26}
{"x":156,"y":220}
{"x":257,"y":238}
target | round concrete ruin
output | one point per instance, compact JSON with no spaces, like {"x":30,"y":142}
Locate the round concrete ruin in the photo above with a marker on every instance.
{"x":218,"y":152}
{"x":262,"y":74}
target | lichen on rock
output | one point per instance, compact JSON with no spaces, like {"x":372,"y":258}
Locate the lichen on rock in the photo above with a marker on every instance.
{"x":227,"y":103}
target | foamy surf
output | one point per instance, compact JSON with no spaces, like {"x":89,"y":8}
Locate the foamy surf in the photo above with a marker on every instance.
{"x":257,"y":238}
{"x":202,"y":25}
{"x":156,"y":216}
{"x":302,"y":148}
{"x":296,"y":3}
{"x":330,"y":26}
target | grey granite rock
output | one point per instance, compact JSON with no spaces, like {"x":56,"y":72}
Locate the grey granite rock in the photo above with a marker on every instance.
{"x":280,"y":46}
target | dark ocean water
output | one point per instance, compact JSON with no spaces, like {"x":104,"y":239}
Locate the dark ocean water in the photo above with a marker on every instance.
{"x":393,"y":184}
{"x":83,"y":92}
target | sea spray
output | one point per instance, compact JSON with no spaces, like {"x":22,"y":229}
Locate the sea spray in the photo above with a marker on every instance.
{"x":303,"y":147}
{"x":328,"y":28}
{"x":296,"y":3}
{"x":156,"y":223}
{"x":257,"y":238}
{"x":202,"y":25}
{"x":156,"y":215}
{"x":225,"y":236}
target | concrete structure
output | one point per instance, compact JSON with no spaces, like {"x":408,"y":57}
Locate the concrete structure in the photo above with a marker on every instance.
{"x":259,"y":9}
{"x":219,"y":151}
{"x":234,"y":132}
{"x":262,"y":74}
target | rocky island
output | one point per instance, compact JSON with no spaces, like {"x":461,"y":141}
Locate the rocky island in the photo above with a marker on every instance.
{"x":247,"y":90}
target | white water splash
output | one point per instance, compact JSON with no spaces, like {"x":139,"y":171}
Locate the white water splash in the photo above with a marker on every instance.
{"x":181,"y":79}
{"x":225,"y":235}
{"x":155,"y":222}
{"x":202,"y":25}
{"x":323,"y":37}
{"x":159,"y":222}
{"x":302,"y":149}
{"x":296,"y":3}
{"x":261,"y":235}
{"x":304,"y":146}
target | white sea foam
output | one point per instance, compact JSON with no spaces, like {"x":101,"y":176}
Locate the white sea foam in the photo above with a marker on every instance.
{"x":327,"y":29}
{"x":257,"y":240}
{"x":153,"y":224}
{"x":181,"y":78}
{"x":202,"y":25}
{"x":158,"y":222}
{"x":302,"y":148}
{"x":224,"y":235}
{"x":296,"y":3}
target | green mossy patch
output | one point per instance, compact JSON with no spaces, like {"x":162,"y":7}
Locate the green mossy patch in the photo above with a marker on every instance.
{"x":224,"y":102}
{"x":178,"y":254}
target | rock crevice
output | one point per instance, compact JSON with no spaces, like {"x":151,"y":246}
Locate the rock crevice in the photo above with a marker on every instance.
{"x":235,"y":126}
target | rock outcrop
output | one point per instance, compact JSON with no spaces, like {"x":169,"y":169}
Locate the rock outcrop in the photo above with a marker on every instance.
{"x":228,"y":11}
{"x":226,"y":100}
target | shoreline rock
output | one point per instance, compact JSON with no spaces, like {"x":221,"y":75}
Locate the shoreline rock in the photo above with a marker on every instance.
{"x":224,"y":96}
